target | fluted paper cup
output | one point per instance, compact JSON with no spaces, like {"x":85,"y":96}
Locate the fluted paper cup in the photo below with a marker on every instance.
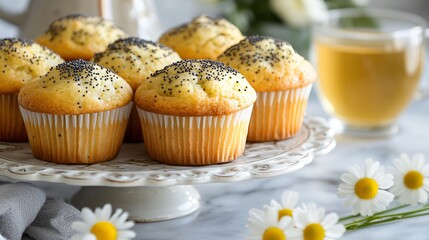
{"x":76,"y":139}
{"x":12,"y":128}
{"x":182,"y":140}
{"x":278,"y":115}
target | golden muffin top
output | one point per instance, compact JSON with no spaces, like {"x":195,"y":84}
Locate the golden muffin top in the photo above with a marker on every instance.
{"x":195,"y":88}
{"x":202,"y":38}
{"x":269,"y":64}
{"x":76,"y":87}
{"x":21,"y":61}
{"x":79,"y":36}
{"x":135,"y":59}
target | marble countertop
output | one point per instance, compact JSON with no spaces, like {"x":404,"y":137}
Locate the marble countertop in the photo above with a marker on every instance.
{"x":225,"y":206}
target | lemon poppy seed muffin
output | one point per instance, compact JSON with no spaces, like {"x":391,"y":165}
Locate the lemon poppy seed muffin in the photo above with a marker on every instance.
{"x":282,"y":79}
{"x":79,"y":37}
{"x":76,"y":113}
{"x":21,"y":61}
{"x":202,"y":38}
{"x":134,"y":60}
{"x":195,"y":112}
{"x":195,"y":88}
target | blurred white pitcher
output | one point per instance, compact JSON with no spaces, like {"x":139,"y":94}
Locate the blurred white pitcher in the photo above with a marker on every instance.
{"x":136,"y":17}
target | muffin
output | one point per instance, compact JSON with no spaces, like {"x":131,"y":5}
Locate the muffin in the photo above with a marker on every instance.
{"x":282,"y":79}
{"x":22,"y":61}
{"x":79,"y":36}
{"x":202,"y":38}
{"x":76,"y":113}
{"x":195,"y":112}
{"x":134,"y":60}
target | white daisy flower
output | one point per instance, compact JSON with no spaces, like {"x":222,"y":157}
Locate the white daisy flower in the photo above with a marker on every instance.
{"x":364,"y":189}
{"x":299,"y":13}
{"x":287,"y":205}
{"x":101,"y":225}
{"x":314,"y":225}
{"x":411,"y":179}
{"x":264,"y":225}
{"x":360,"y":3}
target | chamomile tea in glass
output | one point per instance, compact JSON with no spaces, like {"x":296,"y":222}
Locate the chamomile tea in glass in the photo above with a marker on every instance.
{"x":369,"y":64}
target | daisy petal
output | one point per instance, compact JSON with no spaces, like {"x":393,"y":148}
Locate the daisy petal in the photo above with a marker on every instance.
{"x":426,"y":184}
{"x":336,"y":231}
{"x":385,"y":181}
{"x":349,"y":178}
{"x":294,"y":233}
{"x":417,"y":162}
{"x":126,"y":225}
{"x":285,"y":221}
{"x":75,"y":237}
{"x":255,"y":212}
{"x":371,"y":167}
{"x":255,"y":227}
{"x":121,"y":219}
{"x":89,"y":237}
{"x":117,"y":213}
{"x":126,"y":234}
{"x":269,"y":219}
{"x":330,"y":220}
{"x":399,"y":167}
{"x":290,"y":199}
{"x":425,"y":170}
{"x":356,"y":171}
{"x":423,"y":196}
{"x":106,"y":212}
{"x":275,"y":204}
{"x":88,"y":216}
{"x":81,"y":226}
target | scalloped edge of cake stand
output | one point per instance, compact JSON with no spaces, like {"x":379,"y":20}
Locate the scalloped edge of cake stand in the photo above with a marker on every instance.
{"x":164,"y":202}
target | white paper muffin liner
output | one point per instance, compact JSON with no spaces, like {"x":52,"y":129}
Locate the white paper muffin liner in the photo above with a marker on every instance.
{"x":12,"y":128}
{"x":204,"y":140}
{"x":79,"y":139}
{"x":278,"y":115}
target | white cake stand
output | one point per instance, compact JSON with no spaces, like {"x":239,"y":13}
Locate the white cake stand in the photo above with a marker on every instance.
{"x":151,"y":191}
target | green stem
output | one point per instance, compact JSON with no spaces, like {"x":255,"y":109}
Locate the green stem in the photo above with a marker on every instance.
{"x":348,"y":217}
{"x":379,"y":213}
{"x":378,"y":219}
{"x":370,"y":223}
{"x":391,"y":210}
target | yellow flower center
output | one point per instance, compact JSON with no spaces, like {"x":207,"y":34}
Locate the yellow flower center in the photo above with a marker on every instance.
{"x":285,"y":212}
{"x":366,"y":188}
{"x":273,"y":233}
{"x":314,"y":231}
{"x":104,"y":231}
{"x":413,"y":180}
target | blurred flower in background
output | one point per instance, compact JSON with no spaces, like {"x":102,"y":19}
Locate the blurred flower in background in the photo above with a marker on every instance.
{"x":299,"y":13}
{"x":290,"y":20}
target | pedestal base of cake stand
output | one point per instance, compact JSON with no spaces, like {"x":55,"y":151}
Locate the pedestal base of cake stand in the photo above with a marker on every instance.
{"x":144,"y":204}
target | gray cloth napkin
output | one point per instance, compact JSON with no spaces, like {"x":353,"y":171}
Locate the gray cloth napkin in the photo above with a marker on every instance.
{"x":25,"y":213}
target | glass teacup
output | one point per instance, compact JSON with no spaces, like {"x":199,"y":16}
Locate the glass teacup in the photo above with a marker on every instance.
{"x":369,"y":63}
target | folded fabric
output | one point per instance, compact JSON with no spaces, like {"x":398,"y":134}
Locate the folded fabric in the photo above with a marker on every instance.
{"x":25,"y":213}
{"x":19,"y":205}
{"x":54,"y":221}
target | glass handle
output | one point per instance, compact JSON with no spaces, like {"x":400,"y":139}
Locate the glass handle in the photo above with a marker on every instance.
{"x":423,"y":91}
